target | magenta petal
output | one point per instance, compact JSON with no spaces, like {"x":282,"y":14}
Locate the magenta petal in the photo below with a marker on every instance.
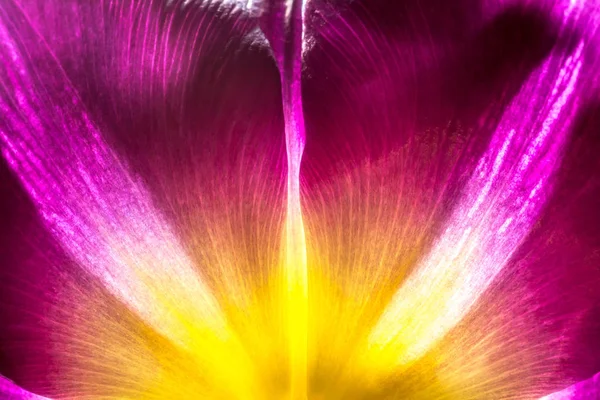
{"x":404,"y":107}
{"x":94,"y":198}
{"x":10,"y":391}
{"x":588,"y":389}
{"x":450,"y":167}
{"x":89,"y":200}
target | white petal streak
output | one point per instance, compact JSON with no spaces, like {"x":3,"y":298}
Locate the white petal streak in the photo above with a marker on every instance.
{"x":87,"y":197}
{"x":500,"y":204}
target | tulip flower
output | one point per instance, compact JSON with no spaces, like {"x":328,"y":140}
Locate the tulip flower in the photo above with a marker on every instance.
{"x":300,"y":199}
